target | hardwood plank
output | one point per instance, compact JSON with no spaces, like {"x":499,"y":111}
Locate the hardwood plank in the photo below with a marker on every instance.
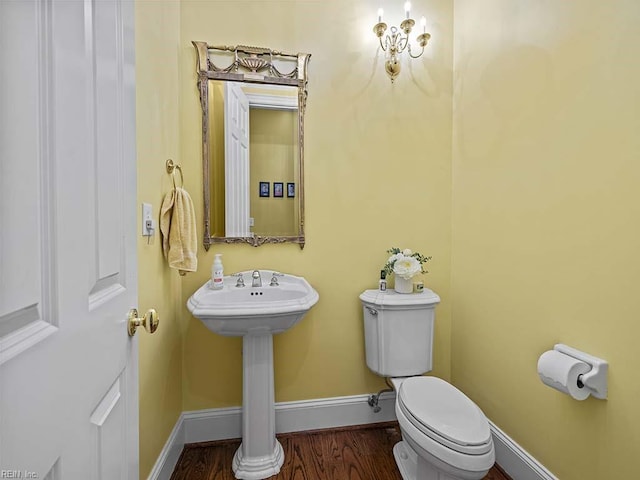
{"x":361,"y":452}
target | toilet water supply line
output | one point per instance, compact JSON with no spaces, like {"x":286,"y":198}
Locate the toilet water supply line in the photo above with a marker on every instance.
{"x":373,"y":398}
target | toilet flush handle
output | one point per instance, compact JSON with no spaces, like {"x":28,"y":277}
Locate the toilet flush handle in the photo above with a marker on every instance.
{"x":372,"y":311}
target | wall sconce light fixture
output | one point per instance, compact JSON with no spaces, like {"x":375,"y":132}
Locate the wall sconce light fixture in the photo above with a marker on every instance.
{"x":395,"y":42}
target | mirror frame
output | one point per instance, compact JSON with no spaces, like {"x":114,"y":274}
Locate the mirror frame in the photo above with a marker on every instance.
{"x":250,"y":65}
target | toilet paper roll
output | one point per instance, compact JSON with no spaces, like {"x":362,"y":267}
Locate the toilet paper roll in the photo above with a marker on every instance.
{"x":561,"y":372}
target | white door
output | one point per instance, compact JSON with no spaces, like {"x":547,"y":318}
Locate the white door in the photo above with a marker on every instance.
{"x":68,"y":369}
{"x":236,"y":161}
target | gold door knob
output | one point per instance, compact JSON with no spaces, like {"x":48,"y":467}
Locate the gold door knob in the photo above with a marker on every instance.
{"x":149,"y":321}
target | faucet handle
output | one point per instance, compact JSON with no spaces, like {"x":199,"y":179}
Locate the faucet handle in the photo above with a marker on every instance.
{"x":240,"y":281}
{"x":274,"y":279}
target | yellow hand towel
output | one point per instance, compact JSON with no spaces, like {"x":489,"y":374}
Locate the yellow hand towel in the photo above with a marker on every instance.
{"x":178,"y":228}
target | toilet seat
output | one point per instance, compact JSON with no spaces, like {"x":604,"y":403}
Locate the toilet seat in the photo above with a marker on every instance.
{"x":445,"y":414}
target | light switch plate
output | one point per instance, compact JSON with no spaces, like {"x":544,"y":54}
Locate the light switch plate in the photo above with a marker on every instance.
{"x":147,"y":216}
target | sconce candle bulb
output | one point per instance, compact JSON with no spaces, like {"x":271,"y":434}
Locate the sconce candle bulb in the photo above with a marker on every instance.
{"x":394,"y":43}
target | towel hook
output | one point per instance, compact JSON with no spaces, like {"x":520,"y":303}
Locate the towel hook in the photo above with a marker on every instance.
{"x":171,"y":168}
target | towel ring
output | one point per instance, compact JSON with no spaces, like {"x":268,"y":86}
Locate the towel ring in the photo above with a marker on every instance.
{"x":171,"y":170}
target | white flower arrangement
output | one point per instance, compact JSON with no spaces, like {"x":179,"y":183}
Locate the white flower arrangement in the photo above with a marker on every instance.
{"x":405,"y":263}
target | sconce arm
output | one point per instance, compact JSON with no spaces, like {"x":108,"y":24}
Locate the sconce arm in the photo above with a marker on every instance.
{"x":403,"y":44}
{"x":386,"y":41}
{"x":415,"y":56}
{"x":379,"y":29}
{"x":422,"y":39}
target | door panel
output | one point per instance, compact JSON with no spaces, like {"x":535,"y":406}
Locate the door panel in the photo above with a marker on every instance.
{"x":25,"y":311}
{"x":109,"y":427}
{"x":108,"y":156}
{"x":106,"y":110}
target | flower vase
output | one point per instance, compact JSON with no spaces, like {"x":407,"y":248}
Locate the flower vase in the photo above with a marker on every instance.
{"x":403,"y":286}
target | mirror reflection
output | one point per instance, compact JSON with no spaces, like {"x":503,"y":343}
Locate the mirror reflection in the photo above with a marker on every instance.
{"x":253,"y":102}
{"x":253,"y":131}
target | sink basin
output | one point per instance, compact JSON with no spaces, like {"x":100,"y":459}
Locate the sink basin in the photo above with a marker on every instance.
{"x":236,"y":311}
{"x":255,"y":313}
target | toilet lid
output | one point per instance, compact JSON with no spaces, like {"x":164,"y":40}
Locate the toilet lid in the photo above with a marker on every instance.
{"x":444,"y":410}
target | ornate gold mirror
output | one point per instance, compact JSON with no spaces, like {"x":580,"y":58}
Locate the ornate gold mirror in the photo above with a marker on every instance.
{"x":252,"y":144}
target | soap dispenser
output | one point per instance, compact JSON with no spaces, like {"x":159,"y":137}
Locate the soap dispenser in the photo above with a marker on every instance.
{"x":217,"y":273}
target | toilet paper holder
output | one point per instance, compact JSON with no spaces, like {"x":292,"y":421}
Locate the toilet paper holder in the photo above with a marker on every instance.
{"x":595,"y":380}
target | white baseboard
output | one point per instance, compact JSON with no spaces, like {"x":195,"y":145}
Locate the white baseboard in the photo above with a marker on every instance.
{"x":514,"y":460}
{"x":226,"y":423}
{"x":170,"y":453}
{"x":333,"y":412}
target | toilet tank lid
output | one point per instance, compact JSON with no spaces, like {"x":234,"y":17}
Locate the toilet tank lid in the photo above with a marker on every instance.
{"x":392,"y":298}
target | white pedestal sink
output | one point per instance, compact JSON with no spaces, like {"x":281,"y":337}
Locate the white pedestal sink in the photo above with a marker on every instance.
{"x":255,"y":313}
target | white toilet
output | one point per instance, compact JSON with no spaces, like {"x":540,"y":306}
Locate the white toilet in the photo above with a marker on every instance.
{"x":445,"y":436}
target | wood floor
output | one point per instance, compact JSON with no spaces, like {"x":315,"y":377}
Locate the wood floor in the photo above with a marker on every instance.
{"x":351,"y":453}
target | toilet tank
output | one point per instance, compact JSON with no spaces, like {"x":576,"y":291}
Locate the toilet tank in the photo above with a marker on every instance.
{"x":398,"y":331}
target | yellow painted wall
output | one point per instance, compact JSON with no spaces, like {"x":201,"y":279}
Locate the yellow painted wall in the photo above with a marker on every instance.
{"x":545,"y":202}
{"x":273,"y":152}
{"x":378,"y":174}
{"x":157,"y":132}
{"x":545,"y":221}
{"x":216,"y":151}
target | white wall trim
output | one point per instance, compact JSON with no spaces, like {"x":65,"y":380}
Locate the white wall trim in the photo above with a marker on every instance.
{"x":333,"y":412}
{"x":515,"y":460}
{"x":226,"y":423}
{"x":170,"y":453}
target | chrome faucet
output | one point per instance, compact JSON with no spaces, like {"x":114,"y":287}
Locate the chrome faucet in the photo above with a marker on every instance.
{"x":256,"y":279}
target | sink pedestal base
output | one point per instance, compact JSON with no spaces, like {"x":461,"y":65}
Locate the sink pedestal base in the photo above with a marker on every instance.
{"x":260,"y":455}
{"x":254,"y":468}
